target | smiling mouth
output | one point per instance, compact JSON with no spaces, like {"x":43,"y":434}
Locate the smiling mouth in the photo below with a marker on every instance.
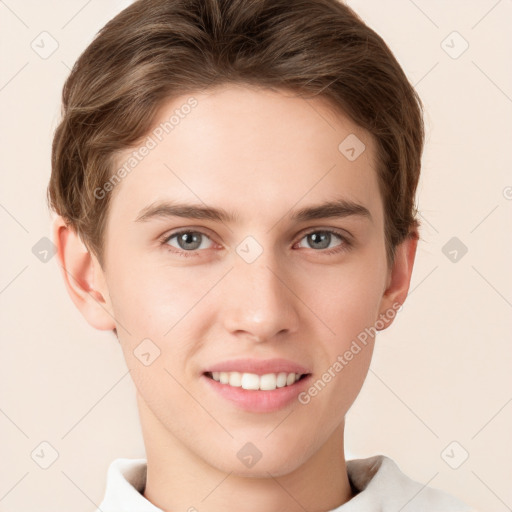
{"x":255,"y":382}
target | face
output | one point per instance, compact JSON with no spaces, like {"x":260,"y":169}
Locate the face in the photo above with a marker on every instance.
{"x":252,"y":278}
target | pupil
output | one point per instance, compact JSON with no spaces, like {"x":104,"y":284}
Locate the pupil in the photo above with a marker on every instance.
{"x":323,"y":237}
{"x":189,"y":238}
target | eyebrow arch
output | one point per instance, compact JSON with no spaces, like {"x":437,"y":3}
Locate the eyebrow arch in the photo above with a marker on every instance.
{"x":332,"y":209}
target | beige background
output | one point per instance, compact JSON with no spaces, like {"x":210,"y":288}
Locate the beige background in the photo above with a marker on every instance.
{"x":440,"y":374}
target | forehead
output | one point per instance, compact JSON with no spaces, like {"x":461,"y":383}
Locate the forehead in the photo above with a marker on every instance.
{"x":255,"y":151}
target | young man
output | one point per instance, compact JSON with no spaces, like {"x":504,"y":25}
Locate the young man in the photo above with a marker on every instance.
{"x":234,"y":183}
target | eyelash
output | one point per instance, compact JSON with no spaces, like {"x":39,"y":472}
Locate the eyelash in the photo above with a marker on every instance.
{"x":345,"y":245}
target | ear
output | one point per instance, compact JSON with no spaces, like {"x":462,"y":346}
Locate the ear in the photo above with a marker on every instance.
{"x":399,"y":279}
{"x":83,"y":277}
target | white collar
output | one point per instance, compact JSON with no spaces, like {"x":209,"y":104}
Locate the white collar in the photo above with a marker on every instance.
{"x":380,"y":484}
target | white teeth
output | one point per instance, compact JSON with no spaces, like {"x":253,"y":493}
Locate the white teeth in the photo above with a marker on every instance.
{"x":281,"y":380}
{"x":250,"y":381}
{"x":235,"y":379}
{"x":267,"y":382}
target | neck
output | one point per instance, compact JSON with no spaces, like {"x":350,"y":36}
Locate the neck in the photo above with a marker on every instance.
{"x":178,"y":479}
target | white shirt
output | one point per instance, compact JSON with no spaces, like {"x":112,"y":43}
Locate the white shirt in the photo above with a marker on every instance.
{"x":380,"y":484}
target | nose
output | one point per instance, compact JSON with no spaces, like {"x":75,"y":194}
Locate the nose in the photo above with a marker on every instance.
{"x":258,"y":302}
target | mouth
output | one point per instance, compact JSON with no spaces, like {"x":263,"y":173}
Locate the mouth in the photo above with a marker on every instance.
{"x":255,"y":382}
{"x":256,"y":385}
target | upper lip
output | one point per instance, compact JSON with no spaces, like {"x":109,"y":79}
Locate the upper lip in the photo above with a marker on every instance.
{"x":258,"y":366}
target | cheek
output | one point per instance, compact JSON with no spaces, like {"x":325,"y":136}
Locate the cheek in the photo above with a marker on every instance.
{"x":153,"y":305}
{"x":346,"y":299}
{"x":348,"y":309}
{"x":159,"y":311}
{"x":151,"y":300}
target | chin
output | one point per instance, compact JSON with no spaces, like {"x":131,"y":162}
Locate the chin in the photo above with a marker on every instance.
{"x":271,"y":460}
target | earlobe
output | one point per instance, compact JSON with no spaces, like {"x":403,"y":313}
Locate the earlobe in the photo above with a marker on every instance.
{"x":83,"y":277}
{"x":399,"y":278}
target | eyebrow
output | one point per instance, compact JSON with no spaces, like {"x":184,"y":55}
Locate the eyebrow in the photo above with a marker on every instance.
{"x":332,"y":209}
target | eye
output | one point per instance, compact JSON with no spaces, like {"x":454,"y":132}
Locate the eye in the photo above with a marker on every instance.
{"x":322,"y":239}
{"x":187,"y":242}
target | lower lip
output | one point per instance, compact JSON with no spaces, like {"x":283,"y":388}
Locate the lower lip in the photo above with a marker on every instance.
{"x":252,"y":400}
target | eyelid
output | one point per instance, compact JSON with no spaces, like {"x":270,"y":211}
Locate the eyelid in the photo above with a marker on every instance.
{"x":187,"y":229}
{"x":340,"y":232}
{"x":163,"y":241}
{"x":203,"y":231}
{"x":346,"y":239}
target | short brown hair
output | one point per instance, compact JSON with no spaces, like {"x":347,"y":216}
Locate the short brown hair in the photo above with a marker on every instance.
{"x":156,"y":50}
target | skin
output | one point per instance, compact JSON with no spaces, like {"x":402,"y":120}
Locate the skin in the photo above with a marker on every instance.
{"x":262,"y":154}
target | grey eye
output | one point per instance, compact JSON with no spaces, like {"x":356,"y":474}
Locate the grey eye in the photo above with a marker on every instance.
{"x":188,"y":240}
{"x":321,"y":239}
